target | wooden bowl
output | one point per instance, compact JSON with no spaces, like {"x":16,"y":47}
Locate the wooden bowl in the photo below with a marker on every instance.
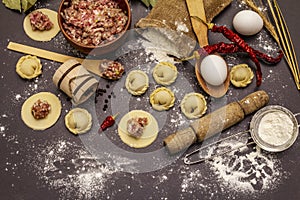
{"x":104,"y":48}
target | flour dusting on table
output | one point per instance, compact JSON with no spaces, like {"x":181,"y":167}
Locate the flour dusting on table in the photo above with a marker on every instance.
{"x":239,"y":173}
{"x":70,"y":169}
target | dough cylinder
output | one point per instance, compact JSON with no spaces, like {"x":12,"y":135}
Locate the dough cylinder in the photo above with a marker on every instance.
{"x":73,"y":79}
{"x":215,"y":122}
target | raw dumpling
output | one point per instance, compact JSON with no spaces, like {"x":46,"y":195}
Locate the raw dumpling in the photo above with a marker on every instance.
{"x":29,"y":67}
{"x":137,"y":82}
{"x":193,"y":105}
{"x":241,"y":75}
{"x":165,"y":73}
{"x":162,"y":99}
{"x":78,"y":121}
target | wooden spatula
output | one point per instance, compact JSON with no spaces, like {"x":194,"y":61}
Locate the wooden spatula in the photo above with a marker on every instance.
{"x":95,"y":66}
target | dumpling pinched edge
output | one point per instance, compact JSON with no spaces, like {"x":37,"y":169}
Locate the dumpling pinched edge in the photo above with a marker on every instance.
{"x":162,"y":99}
{"x":165,"y":73}
{"x":26,"y":62}
{"x":193,"y":105}
{"x":71,"y":120}
{"x":137,"y":82}
{"x":241,"y":75}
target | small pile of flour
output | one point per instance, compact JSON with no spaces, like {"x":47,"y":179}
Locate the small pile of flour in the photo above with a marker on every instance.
{"x":161,"y":43}
{"x":181,"y":27}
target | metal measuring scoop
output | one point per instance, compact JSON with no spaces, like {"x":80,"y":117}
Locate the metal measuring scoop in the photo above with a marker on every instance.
{"x":254,"y":136}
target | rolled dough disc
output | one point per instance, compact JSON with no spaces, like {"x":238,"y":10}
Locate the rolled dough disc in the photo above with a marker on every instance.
{"x":46,"y":35}
{"x":150,"y":131}
{"x":52,"y":117}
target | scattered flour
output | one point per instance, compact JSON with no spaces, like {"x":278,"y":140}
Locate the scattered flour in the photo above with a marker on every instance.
{"x":68,"y":168}
{"x":18,"y":97}
{"x":246,"y":173}
{"x":181,"y":27}
{"x":239,"y":173}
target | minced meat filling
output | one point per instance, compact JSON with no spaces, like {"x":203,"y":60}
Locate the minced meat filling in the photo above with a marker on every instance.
{"x":93,"y":22}
{"x":40,"y":21}
{"x":135,"y":126}
{"x":112,"y":70}
{"x":40,"y":109}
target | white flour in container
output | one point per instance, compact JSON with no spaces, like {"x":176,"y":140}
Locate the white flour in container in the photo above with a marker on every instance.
{"x":275,"y":128}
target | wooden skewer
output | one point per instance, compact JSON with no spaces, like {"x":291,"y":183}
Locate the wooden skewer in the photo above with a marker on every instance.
{"x":285,"y":40}
{"x":292,"y":54}
{"x":286,"y":37}
{"x":254,"y":6}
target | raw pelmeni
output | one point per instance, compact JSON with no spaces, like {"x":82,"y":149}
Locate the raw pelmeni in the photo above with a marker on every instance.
{"x":137,"y":82}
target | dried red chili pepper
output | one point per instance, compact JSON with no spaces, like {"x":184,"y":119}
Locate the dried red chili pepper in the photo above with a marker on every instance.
{"x":269,"y":59}
{"x":108,"y":122}
{"x":235,"y":38}
{"x":233,"y":48}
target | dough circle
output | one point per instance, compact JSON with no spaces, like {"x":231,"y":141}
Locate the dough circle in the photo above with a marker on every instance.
{"x":46,"y":35}
{"x":52,"y":117}
{"x":78,"y":121}
{"x":29,"y":67}
{"x":150,"y":131}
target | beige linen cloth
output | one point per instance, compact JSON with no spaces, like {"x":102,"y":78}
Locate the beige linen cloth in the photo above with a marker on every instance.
{"x":170,"y":13}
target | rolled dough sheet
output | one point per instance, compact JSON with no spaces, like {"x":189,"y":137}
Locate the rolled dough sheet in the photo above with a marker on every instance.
{"x":52,"y":117}
{"x":150,"y":131}
{"x":46,"y":35}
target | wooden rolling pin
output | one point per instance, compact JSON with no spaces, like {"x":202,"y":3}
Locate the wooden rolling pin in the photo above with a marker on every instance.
{"x":215,"y":122}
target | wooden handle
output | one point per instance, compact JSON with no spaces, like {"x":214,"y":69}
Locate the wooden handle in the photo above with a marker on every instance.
{"x":90,"y":64}
{"x":40,"y":52}
{"x":216,"y":121}
{"x":196,"y":8}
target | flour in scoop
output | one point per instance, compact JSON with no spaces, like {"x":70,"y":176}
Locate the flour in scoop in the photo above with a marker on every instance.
{"x":276,"y":128}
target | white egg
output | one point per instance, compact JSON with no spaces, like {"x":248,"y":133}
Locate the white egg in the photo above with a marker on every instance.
{"x":213,"y":69}
{"x":247,"y":22}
